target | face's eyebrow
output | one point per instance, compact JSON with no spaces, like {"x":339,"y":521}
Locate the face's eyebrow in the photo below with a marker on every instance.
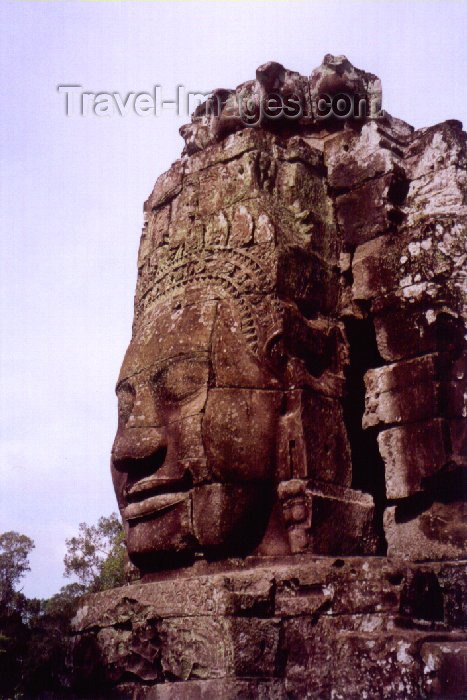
{"x":163,"y":363}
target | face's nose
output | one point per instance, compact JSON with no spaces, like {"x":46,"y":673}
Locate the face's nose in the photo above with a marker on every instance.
{"x":140,"y":447}
{"x":138,"y":444}
{"x":137,"y":453}
{"x":157,"y":445}
{"x":146,"y":411}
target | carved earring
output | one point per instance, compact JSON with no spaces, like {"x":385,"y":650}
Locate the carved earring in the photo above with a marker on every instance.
{"x":291,"y":473}
{"x":296,"y":512}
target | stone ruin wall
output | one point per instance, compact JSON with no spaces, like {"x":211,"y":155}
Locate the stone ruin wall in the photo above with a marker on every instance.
{"x":343,"y":238}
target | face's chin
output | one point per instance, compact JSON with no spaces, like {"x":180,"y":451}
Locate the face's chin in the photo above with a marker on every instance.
{"x":215,"y":520}
{"x":157,"y":513}
{"x":166,"y":532}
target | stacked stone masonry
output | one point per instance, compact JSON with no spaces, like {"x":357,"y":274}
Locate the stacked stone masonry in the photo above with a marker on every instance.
{"x":312,"y":628}
{"x":290,"y":456}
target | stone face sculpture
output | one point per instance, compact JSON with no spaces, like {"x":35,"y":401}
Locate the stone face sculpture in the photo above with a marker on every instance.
{"x":231,"y":428}
{"x":291,"y":403}
{"x":262,"y":249}
{"x":222,"y":373}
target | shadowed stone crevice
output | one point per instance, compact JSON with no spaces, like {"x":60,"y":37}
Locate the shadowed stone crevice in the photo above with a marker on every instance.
{"x":422,"y":597}
{"x":367,"y":464}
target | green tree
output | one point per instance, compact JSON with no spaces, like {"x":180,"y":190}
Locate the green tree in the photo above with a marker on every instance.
{"x":33,"y":633}
{"x":16,"y":610}
{"x":63,"y":604}
{"x":96,"y":556}
{"x":14,"y":563}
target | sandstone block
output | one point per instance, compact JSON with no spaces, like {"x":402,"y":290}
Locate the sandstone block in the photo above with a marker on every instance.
{"x":242,"y":227}
{"x":307,"y":279}
{"x":367,"y":211}
{"x":354,"y":157}
{"x":230,"y":148}
{"x":434,"y":593}
{"x":353,"y":587}
{"x":437,"y":533}
{"x":430,"y":324}
{"x":326,"y":519}
{"x":337,"y":75}
{"x":435,"y":148}
{"x":227,"y":183}
{"x":458,"y":434}
{"x":396,"y":376}
{"x":196,"y":647}
{"x":416,"y":256}
{"x":167,"y":186}
{"x":418,"y":402}
{"x":307,"y":208}
{"x":445,"y":669}
{"x":228,"y":412}
{"x":412,"y":391}
{"x":412,"y":453}
{"x":210,"y":648}
{"x":158,"y":226}
{"x":256,"y":644}
{"x":136,"y":650}
{"x":218,"y":512}
{"x":441,"y":193}
{"x":228,"y":344}
{"x":327,"y":445}
{"x":342,"y":525}
{"x":222,"y":689}
{"x":327,"y":660}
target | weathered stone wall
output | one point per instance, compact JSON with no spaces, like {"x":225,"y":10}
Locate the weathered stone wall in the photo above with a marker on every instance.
{"x":325,"y":258}
{"x":409,"y":275}
{"x":313,"y":628}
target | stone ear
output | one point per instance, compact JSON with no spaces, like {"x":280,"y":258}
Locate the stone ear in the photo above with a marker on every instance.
{"x":275,"y":355}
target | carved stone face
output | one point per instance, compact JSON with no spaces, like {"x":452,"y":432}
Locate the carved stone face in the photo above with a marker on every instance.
{"x":194,"y":455}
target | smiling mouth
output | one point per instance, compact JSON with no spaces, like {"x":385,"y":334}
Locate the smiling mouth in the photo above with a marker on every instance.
{"x":152,"y":505}
{"x":154,"y":494}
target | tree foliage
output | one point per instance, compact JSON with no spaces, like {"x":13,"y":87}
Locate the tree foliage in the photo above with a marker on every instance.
{"x":33,"y":633}
{"x":14,"y":563}
{"x":16,"y":611}
{"x":96,"y":556}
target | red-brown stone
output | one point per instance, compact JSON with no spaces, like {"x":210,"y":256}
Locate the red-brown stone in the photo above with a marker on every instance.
{"x":298,"y":336}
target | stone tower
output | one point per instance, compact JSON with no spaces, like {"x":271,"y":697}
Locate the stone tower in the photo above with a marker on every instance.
{"x":289,"y":460}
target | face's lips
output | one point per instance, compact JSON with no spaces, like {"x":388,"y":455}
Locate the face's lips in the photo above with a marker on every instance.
{"x":153,"y":494}
{"x":153,"y":504}
{"x":151,"y":483}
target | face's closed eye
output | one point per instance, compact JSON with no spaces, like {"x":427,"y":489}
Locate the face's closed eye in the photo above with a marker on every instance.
{"x":158,"y":396}
{"x":180,"y":380}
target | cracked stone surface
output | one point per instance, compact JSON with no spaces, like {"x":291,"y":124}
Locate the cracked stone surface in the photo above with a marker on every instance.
{"x":294,"y":387}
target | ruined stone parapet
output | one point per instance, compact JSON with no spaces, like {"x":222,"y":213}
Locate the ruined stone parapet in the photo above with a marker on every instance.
{"x":307,"y":628}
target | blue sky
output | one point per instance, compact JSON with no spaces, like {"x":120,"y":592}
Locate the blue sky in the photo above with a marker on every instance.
{"x":72,"y":190}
